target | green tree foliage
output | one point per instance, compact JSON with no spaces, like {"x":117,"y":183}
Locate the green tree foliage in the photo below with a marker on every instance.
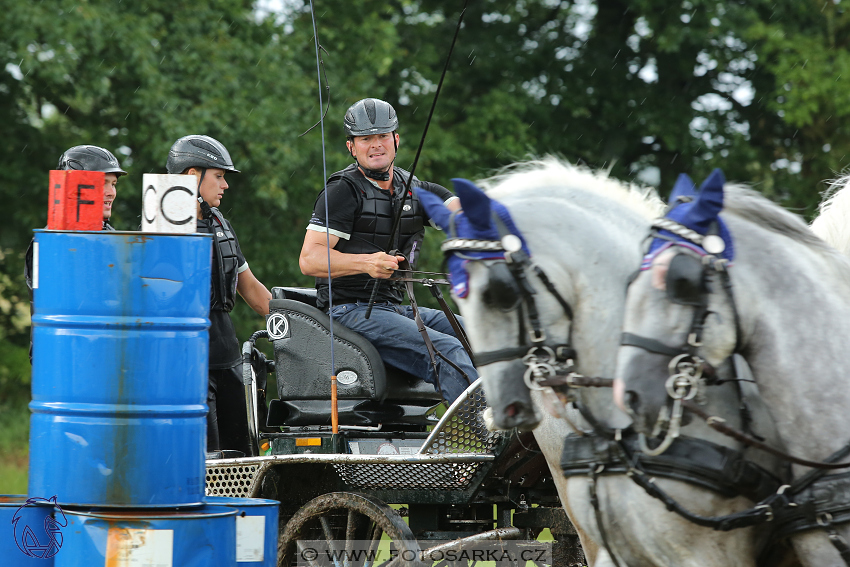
{"x":647,"y":88}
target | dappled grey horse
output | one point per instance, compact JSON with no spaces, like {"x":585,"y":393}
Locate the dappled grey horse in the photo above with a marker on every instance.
{"x":753,"y":280}
{"x":584,"y":231}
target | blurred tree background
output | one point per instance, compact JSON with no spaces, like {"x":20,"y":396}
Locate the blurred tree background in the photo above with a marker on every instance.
{"x":643,"y":88}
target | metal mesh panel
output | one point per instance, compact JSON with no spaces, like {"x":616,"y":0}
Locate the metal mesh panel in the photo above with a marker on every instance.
{"x":462,"y":429}
{"x":234,"y":481}
{"x":444,"y":476}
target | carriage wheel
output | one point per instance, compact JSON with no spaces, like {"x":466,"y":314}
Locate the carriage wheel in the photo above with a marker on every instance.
{"x":349,"y":527}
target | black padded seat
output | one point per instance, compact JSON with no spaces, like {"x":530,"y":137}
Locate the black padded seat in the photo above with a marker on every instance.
{"x":368,"y":392}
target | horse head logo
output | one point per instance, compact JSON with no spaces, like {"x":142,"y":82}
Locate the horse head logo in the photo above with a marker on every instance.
{"x":26,"y":538}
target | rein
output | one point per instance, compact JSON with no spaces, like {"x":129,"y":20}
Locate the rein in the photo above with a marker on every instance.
{"x":718,"y":424}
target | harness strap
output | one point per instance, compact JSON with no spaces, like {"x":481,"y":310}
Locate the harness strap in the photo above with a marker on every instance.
{"x":424,"y":332}
{"x":501,"y":355}
{"x":574,"y":380}
{"x":745,"y":518}
{"x":718,"y":468}
{"x":551,"y":288}
{"x":458,"y":329}
{"x":838,"y":542}
{"x":433,"y":353}
{"x":516,"y":262}
{"x":718,"y":425}
{"x":594,"y":500}
{"x":651,"y":345}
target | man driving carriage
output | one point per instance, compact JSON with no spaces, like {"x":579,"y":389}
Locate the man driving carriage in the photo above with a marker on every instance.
{"x":362,"y":202}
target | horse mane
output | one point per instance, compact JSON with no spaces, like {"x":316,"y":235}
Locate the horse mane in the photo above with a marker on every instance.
{"x":553,"y":172}
{"x":831,"y":222}
{"x":755,"y":208}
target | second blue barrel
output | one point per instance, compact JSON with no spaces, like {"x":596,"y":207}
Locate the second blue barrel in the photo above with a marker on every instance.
{"x":256,"y":529}
{"x":120,"y":351}
{"x":30,"y":535}
{"x":199,"y":537}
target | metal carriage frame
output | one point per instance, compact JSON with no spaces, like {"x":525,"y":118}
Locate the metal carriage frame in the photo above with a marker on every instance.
{"x":457,"y":487}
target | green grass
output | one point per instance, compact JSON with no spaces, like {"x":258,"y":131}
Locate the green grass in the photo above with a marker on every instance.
{"x":14,"y":446}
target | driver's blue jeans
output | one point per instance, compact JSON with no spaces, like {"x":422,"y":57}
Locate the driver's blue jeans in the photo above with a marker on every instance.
{"x":393,"y":332}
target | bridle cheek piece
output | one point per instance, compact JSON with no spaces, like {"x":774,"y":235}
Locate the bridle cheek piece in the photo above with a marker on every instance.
{"x":542,"y":359}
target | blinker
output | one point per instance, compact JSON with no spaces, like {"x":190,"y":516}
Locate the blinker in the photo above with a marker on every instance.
{"x":685,"y":281}
{"x":501,"y":290}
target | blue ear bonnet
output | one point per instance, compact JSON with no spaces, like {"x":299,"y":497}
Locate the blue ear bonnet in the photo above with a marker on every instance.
{"x":697,"y":211}
{"x":481,"y":219}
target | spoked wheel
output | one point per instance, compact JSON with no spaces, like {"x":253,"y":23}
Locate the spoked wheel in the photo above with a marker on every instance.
{"x":342,"y":529}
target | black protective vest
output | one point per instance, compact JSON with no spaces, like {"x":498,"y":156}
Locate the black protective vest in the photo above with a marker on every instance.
{"x":371,"y":233}
{"x":225,"y":267}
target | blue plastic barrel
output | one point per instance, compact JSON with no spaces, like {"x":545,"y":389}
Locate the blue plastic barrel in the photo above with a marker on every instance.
{"x":29,"y":536}
{"x":119,"y":377}
{"x":201,"y":537}
{"x":256,"y":529}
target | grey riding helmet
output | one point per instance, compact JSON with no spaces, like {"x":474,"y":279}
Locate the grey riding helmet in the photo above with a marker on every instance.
{"x":198,"y":151}
{"x":90,"y":158}
{"x":370,"y":116}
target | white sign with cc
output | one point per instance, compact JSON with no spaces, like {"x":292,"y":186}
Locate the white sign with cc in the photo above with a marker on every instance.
{"x":169,"y":203}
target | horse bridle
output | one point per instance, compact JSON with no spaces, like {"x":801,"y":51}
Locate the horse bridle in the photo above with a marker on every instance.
{"x":541,"y":357}
{"x":687,"y":371}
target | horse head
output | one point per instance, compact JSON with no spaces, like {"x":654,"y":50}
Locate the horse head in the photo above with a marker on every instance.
{"x":680,"y":320}
{"x":482,"y":253}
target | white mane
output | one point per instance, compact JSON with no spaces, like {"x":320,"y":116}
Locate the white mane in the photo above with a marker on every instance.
{"x":550,"y":171}
{"x":833,"y":220}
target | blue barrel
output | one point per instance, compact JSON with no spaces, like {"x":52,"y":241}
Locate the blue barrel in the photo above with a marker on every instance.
{"x":256,"y":529}
{"x":201,"y":537}
{"x":29,"y":535}
{"x":119,"y":377}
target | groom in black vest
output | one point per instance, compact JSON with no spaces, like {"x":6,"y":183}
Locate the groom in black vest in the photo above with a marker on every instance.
{"x":208,"y":160}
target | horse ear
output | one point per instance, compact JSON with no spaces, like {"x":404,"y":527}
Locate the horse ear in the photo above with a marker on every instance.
{"x":475,"y":203}
{"x":709,"y":202}
{"x":435,"y":208}
{"x":684,"y":187}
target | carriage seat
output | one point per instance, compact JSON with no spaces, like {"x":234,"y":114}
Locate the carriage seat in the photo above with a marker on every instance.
{"x":368,"y":392}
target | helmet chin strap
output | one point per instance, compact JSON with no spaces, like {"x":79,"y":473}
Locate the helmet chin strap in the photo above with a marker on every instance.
{"x":205,"y":207}
{"x":377,"y":174}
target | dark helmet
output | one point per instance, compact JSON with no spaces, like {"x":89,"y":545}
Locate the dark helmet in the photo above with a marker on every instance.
{"x":370,"y":116}
{"x":198,"y":151}
{"x":90,"y":158}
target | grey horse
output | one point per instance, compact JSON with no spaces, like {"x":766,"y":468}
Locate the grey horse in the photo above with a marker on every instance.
{"x":584,"y":231}
{"x":753,"y":280}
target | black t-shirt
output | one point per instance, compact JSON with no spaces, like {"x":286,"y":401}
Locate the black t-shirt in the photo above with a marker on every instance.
{"x":344,"y":205}
{"x":224,"y":345}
